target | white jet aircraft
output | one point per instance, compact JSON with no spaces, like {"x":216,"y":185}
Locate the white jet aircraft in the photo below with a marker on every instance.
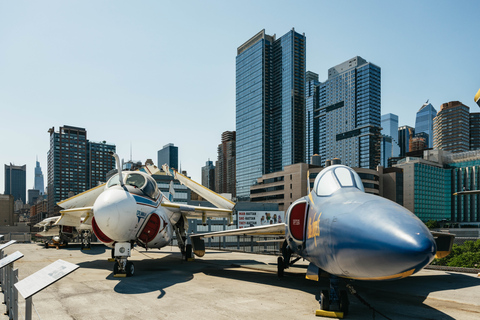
{"x":60,"y":235}
{"x":130,"y":209}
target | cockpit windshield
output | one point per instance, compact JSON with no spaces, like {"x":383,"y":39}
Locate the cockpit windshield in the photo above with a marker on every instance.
{"x":335,"y":177}
{"x":137,"y":180}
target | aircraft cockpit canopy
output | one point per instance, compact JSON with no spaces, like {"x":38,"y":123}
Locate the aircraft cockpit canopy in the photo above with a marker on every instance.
{"x":137,"y":180}
{"x":335,"y":177}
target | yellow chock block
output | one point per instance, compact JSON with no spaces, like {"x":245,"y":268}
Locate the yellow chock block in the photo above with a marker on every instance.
{"x":330,"y":314}
{"x":111,"y":259}
{"x":120,"y":275}
{"x":191,"y":259}
{"x":86,"y":249}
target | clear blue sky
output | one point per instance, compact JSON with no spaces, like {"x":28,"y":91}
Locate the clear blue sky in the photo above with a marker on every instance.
{"x":147,"y":73}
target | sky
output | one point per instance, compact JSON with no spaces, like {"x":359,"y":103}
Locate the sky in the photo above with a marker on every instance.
{"x":142,"y":74}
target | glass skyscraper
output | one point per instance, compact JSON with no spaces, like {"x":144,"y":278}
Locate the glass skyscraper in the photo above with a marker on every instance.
{"x":270,"y":106}
{"x":405,"y":133}
{"x":424,"y":121}
{"x":16,"y":182}
{"x":168,"y":155}
{"x":389,"y":147}
{"x":349,"y":114}
{"x":311,"y":112}
{"x":39,"y":182}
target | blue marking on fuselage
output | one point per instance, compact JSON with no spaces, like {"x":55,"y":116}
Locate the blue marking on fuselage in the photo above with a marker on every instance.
{"x":146,"y":201}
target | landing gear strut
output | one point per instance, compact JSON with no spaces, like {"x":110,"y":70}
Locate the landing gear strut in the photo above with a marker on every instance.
{"x":284,"y":261}
{"x":333,"y":299}
{"x":86,"y":240}
{"x":122,"y":267}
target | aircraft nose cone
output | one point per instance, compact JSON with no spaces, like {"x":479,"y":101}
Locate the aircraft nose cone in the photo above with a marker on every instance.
{"x":393,"y":243}
{"x":115,"y":214}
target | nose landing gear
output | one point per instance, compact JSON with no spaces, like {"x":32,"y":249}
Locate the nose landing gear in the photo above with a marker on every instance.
{"x":122,"y":267}
{"x":334,"y":302}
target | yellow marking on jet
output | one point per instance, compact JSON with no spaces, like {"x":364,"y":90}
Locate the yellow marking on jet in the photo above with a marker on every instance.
{"x":314,"y":227}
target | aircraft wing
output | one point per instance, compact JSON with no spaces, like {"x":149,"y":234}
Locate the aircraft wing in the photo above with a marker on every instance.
{"x":277,"y":229}
{"x":46,"y":222}
{"x":49,"y":233}
{"x":466,"y":192}
{"x":211,"y":196}
{"x":198,"y":212}
{"x":84,"y":199}
{"x":76,"y":217}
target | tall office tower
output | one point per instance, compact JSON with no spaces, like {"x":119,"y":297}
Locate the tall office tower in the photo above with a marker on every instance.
{"x":418,"y":142}
{"x":311,"y":111}
{"x":16,"y":182}
{"x":208,"y":175}
{"x":405,"y":133}
{"x":424,"y":121}
{"x":100,"y":162}
{"x":39,"y":182}
{"x":389,"y":146}
{"x":350,"y":114}
{"x":168,"y":155}
{"x":225,"y":172}
{"x":270,"y":106}
{"x":475,"y":131}
{"x":74,"y":164}
{"x":451,"y":127}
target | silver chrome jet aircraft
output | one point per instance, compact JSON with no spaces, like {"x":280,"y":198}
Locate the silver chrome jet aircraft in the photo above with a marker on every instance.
{"x":130,"y":209}
{"x":348,"y":233}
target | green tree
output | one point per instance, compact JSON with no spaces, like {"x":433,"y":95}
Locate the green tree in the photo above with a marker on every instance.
{"x":432,"y":224}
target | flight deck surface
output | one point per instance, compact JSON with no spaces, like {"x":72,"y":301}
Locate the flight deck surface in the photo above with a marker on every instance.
{"x":225,"y":285}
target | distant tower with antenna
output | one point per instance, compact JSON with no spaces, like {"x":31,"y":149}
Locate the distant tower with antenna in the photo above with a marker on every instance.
{"x":39,"y":182}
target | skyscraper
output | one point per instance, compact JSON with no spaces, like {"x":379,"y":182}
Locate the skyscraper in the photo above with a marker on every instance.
{"x":311,"y":112}
{"x":451,"y":127}
{"x":270,"y":106}
{"x":424,"y":121}
{"x":75,"y":164}
{"x":100,"y":162}
{"x":168,"y":155}
{"x":349,"y":116}
{"x":405,"y":133}
{"x":389,"y":147}
{"x":474,"y":131}
{"x":225,"y":181}
{"x":208,"y":175}
{"x":16,"y":182}
{"x":39,"y":182}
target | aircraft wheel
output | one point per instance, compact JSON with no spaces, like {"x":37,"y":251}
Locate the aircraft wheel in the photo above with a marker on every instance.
{"x":130,"y":269}
{"x":344,"y":303}
{"x":325,"y":300}
{"x":82,"y":246}
{"x":188,"y":251}
{"x":46,"y":245}
{"x":280,"y":267}
{"x":66,"y":244}
{"x":113,"y":253}
{"x":115,"y":268}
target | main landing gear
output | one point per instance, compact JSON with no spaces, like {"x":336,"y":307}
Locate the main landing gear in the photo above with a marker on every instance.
{"x":284,"y":261}
{"x":86,"y":240}
{"x":122,"y":267}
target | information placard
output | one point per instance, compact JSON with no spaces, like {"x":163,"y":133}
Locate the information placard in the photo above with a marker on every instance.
{"x":44,"y":278}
